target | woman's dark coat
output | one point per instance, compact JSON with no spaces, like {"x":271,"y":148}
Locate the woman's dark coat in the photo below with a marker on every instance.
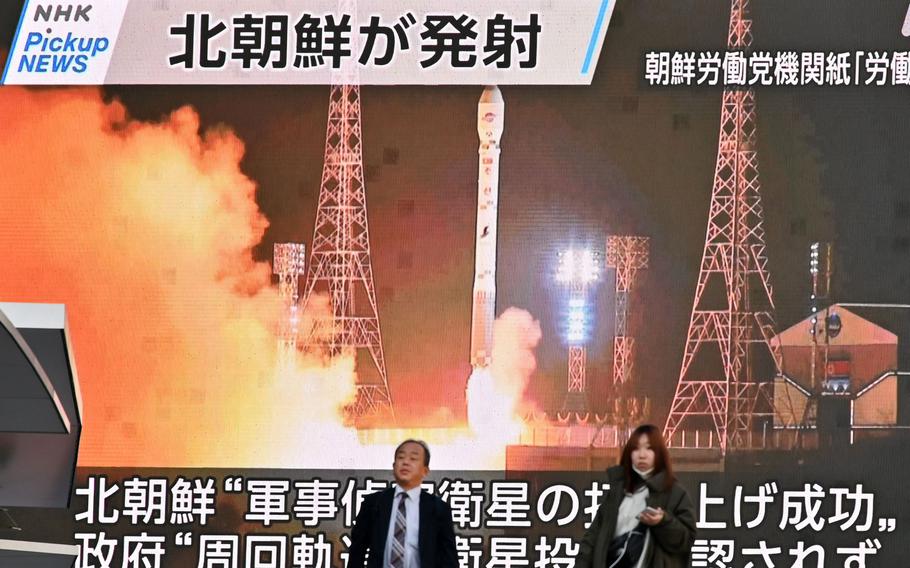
{"x":671,"y":539}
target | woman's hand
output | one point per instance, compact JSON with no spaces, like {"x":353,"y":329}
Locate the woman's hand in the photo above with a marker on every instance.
{"x":651,"y":517}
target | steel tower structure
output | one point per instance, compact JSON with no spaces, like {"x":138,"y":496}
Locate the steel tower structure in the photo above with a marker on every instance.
{"x":733,"y":309}
{"x":340,"y":263}
{"x":628,"y":255}
{"x":579,"y":271}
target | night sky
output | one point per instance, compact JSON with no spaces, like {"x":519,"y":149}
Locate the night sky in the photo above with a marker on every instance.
{"x":578,"y":163}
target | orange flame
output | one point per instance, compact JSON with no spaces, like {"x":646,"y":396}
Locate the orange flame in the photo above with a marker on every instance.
{"x":145,"y":231}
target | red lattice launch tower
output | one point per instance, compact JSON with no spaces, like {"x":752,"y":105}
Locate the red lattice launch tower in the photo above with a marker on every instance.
{"x":340,"y":262}
{"x":628,"y":255}
{"x":729,"y":357}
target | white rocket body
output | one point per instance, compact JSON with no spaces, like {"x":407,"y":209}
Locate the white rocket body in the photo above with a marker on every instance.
{"x":490,"y":121}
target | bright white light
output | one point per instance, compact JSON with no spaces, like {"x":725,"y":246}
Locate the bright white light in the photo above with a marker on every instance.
{"x":578,"y":266}
{"x":588,"y":267}
{"x":566,"y":270}
{"x":576,"y":315}
{"x":576,"y":332}
{"x":813,"y":259}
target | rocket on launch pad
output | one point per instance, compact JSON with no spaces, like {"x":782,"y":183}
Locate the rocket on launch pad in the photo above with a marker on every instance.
{"x":484,"y":413}
{"x":490,"y":120}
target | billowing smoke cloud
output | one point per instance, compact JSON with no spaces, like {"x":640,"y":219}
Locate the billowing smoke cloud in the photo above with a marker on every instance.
{"x":496,"y":402}
{"x":145,"y":231}
{"x":515,"y":337}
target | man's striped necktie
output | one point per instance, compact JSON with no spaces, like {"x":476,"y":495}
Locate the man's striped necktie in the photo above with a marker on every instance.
{"x":401,"y":531}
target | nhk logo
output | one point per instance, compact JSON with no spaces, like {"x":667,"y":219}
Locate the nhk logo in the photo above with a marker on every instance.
{"x":49,"y":52}
{"x":64,"y":12}
{"x":62,"y":42}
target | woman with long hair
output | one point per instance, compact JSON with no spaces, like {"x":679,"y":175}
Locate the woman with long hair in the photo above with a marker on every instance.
{"x":646,"y":519}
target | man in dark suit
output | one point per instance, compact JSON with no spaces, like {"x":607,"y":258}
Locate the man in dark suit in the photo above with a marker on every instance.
{"x":404,"y":526}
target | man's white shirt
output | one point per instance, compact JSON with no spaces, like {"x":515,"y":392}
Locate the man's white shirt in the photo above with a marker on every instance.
{"x":412,"y":535}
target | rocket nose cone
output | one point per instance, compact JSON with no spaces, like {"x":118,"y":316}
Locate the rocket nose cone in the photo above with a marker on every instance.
{"x":491,"y":94}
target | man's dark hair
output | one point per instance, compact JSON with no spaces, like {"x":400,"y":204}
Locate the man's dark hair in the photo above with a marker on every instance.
{"x":422,"y":444}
